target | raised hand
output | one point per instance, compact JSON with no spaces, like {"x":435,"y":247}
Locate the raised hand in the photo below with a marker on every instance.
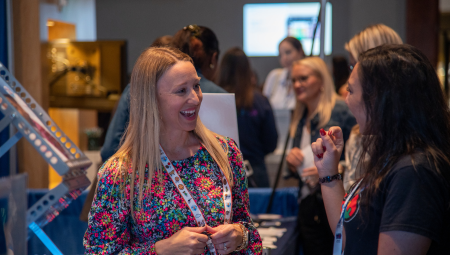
{"x":327,"y":151}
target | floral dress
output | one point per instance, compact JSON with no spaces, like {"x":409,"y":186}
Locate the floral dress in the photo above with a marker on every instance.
{"x":112,"y":229}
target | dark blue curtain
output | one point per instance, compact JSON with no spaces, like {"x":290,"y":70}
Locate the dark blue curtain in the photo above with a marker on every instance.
{"x":4,"y":135}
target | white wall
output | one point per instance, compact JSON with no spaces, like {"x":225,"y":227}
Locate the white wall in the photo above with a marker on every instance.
{"x":142,"y":21}
{"x":79,"y":12}
{"x":444,"y":6}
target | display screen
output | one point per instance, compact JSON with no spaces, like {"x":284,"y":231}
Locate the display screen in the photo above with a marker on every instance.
{"x":265,"y":25}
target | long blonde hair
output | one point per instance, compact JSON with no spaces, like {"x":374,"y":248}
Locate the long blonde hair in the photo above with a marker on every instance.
{"x":371,"y":37}
{"x":140,"y":143}
{"x":328,"y":95}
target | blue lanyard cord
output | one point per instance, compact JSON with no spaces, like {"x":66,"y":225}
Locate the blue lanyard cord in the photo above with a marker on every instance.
{"x":338,"y":238}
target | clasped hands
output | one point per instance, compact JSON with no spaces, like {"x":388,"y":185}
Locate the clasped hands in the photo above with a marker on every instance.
{"x":192,"y":240}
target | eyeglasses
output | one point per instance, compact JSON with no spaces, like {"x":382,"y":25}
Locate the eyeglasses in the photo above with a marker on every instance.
{"x":301,"y":79}
{"x":194,"y":29}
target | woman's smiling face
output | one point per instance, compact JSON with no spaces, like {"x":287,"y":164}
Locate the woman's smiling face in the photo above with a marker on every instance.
{"x":179,"y":97}
{"x":307,"y":84}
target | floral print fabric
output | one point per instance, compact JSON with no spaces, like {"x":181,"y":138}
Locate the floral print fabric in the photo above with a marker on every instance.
{"x":162,"y":213}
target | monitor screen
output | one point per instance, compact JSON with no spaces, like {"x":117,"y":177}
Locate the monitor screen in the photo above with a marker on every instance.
{"x":265,"y":25}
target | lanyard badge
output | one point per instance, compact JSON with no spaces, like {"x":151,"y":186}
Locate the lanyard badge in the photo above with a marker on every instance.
{"x":338,"y":237}
{"x":195,"y":210}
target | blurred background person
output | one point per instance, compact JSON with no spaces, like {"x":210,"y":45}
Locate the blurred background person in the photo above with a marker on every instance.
{"x":257,"y":131}
{"x":369,"y":38}
{"x":162,"y":41}
{"x":278,"y":86}
{"x":201,"y":44}
{"x":341,"y":72}
{"x":317,"y":107}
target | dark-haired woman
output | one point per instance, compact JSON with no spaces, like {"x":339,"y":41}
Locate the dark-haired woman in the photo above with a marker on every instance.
{"x":201,"y":44}
{"x":401,"y":205}
{"x":257,"y":131}
{"x":278,"y":86}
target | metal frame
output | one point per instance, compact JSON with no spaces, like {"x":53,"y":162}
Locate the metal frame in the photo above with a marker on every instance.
{"x":32,"y":122}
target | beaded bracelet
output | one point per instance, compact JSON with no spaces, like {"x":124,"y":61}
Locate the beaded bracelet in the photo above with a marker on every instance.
{"x":244,"y":238}
{"x":327,"y":179}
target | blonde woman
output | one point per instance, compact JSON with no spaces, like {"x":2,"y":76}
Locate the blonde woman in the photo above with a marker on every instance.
{"x":173,"y":187}
{"x":318,"y":107}
{"x":369,"y":38}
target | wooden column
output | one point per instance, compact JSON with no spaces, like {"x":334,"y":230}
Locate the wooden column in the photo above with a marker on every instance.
{"x":422,"y":27}
{"x":27,"y":69}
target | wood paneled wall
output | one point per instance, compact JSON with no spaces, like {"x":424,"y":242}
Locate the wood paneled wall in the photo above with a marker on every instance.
{"x":422,"y":27}
{"x":27,"y":69}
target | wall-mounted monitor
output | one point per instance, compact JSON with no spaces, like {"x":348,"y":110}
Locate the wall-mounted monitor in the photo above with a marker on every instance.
{"x":265,"y":25}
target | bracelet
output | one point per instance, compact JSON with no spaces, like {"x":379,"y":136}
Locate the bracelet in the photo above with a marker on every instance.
{"x":328,"y":179}
{"x":244,"y":238}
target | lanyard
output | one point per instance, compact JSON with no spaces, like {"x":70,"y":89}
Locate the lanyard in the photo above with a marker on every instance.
{"x":195,"y":210}
{"x":337,"y":247}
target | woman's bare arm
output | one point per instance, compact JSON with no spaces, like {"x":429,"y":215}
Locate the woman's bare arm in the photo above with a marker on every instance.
{"x":327,"y":152}
{"x":402,"y":243}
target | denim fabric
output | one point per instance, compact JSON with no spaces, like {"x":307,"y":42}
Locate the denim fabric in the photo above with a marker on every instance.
{"x":122,"y":116}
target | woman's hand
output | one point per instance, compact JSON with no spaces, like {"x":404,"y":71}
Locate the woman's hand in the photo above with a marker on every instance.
{"x":294,"y":159}
{"x":188,"y":240}
{"x":327,"y":151}
{"x":226,"y":238}
{"x":310,"y":176}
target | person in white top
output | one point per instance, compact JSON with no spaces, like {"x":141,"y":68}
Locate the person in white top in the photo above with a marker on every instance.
{"x":278,"y":86}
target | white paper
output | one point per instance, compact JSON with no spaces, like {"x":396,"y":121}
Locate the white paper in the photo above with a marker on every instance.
{"x":308,"y":160}
{"x":218,"y":114}
{"x":271,"y":232}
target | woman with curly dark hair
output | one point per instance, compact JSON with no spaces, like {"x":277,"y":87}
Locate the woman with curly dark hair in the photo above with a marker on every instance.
{"x":401,"y":205}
